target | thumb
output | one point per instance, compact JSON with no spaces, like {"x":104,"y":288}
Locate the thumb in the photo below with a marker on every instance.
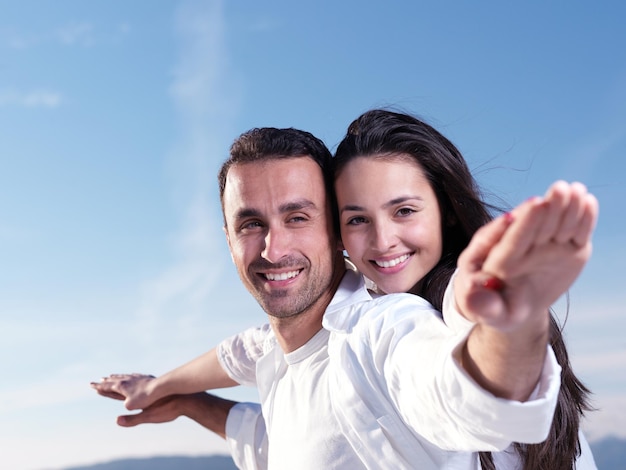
{"x":128,"y":421}
{"x":479,"y":297}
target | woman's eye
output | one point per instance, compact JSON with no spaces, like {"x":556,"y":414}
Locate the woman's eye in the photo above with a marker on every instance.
{"x":405,"y":211}
{"x":356,"y":221}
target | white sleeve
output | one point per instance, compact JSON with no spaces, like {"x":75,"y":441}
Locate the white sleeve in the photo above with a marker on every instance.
{"x":239,"y":354}
{"x":246,"y":436}
{"x":451,"y":315}
{"x":549,"y":382}
{"x":585,"y":461}
{"x":436,"y":396}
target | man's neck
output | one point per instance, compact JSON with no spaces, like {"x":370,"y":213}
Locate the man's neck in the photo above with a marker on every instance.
{"x":293,"y":332}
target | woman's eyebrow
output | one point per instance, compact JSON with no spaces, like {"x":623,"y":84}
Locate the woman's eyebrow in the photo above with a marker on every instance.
{"x":351,"y":207}
{"x":393,"y":202}
{"x":402,"y":199}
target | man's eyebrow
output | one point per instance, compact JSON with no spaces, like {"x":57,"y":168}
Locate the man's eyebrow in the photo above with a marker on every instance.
{"x":297,"y":205}
{"x":290,"y":206}
{"x":247,"y":212}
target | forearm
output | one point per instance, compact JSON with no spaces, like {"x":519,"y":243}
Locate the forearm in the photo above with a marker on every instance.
{"x":200,"y":374}
{"x":208,"y":410}
{"x":507,"y":365}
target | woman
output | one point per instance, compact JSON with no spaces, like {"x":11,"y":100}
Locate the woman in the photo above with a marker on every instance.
{"x":395,"y":179}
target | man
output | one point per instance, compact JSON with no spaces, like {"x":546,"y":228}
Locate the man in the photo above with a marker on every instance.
{"x":350,"y":382}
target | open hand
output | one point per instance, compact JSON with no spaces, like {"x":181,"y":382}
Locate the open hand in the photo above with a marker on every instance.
{"x":134,"y":389}
{"x":518,"y":265}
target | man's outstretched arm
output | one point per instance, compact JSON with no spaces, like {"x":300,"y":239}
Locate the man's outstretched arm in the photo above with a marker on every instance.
{"x":140,"y":390}
{"x":207,"y":410}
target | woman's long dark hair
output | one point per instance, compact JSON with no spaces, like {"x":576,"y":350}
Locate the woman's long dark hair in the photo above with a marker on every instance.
{"x":386,"y":134}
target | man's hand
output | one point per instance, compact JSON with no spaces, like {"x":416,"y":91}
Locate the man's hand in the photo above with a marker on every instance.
{"x":134,"y":389}
{"x":162,"y":411}
{"x":208,"y":410}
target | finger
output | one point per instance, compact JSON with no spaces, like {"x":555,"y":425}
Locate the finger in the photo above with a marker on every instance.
{"x":556,"y":199}
{"x":485,"y":305}
{"x":483,"y":241}
{"x":517,"y":240}
{"x":523,"y":233}
{"x":588,"y":221}
{"x":106,"y":392}
{"x":129,"y":421}
{"x":571,"y":214}
{"x":149,"y":415}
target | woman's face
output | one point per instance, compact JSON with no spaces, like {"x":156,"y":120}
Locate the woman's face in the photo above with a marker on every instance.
{"x":390,"y":220}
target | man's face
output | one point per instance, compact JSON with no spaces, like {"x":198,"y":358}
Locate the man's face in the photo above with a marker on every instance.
{"x":279,"y":230}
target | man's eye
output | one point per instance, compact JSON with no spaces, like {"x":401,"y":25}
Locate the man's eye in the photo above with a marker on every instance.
{"x":251,"y":225}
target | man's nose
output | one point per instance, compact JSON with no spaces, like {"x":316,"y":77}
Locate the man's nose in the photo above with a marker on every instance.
{"x":276,"y":244}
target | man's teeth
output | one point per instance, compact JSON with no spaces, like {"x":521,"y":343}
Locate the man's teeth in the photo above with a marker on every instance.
{"x":281,"y":276}
{"x":393,"y":262}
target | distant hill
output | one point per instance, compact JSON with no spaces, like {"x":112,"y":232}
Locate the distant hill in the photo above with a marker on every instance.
{"x":214,"y":462}
{"x":609,"y":453}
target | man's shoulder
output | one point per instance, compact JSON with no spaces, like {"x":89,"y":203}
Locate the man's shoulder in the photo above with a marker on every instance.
{"x":391,"y":303}
{"x":380,"y":312}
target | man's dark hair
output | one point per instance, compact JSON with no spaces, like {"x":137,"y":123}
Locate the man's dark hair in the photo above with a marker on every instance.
{"x":269,"y":143}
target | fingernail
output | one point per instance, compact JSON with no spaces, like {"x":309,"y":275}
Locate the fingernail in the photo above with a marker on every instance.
{"x":508,"y":217}
{"x":493,"y":283}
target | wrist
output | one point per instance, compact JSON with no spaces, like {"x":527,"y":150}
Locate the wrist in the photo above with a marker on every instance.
{"x":157,"y":388}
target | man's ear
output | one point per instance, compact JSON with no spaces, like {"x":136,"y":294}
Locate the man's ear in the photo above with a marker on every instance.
{"x":225,"y":229}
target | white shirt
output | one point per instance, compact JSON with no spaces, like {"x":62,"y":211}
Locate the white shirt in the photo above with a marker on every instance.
{"x":380,"y":384}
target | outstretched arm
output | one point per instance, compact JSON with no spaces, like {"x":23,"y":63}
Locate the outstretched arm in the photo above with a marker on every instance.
{"x":514,"y":269}
{"x":241,"y":424}
{"x":139,"y":391}
{"x":207,"y":410}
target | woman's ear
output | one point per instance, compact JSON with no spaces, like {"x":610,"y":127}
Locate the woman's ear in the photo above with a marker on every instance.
{"x":451,"y":220}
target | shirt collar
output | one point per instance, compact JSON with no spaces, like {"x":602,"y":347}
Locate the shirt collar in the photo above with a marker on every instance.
{"x":352,"y":290}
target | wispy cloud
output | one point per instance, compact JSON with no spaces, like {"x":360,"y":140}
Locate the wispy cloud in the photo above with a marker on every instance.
{"x":64,"y":386}
{"x":264,"y":24}
{"x":590,"y":154}
{"x":202,"y":94}
{"x":76,"y":34}
{"x":599,"y":363}
{"x":609,"y":417}
{"x":31,"y":99}
{"x":20,"y":41}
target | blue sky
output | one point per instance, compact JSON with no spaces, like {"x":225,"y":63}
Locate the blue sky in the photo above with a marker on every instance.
{"x":115,"y":116}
